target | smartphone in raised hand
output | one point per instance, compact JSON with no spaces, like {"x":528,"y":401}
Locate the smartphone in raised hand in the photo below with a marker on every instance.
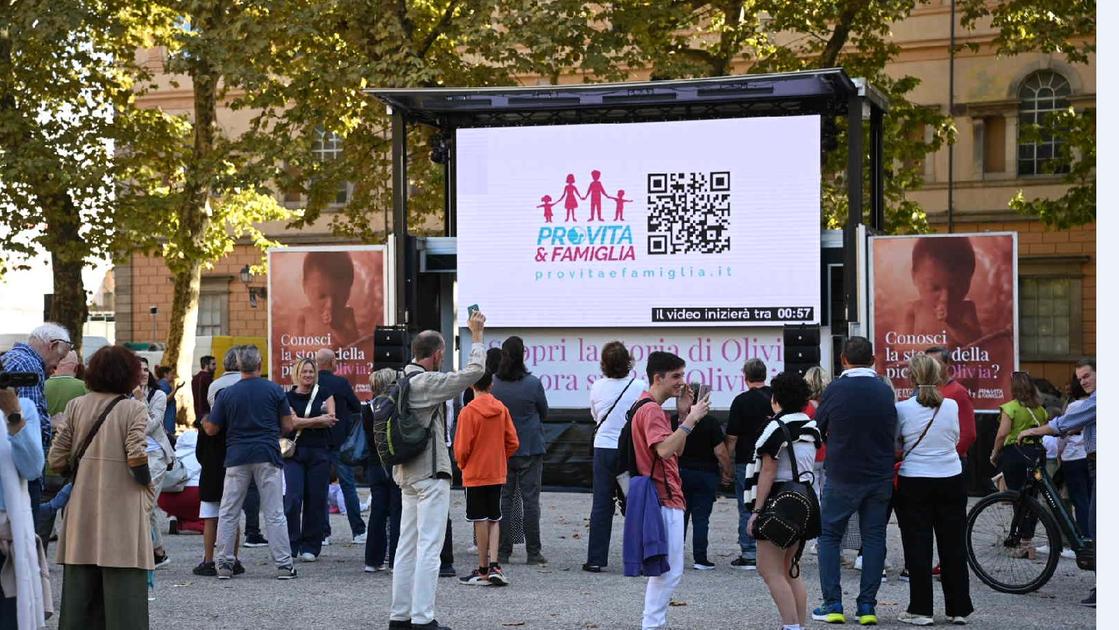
{"x":704,"y":392}
{"x":470,"y":310}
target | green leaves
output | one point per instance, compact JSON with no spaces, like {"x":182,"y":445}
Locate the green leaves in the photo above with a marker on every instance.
{"x":1075,"y":156}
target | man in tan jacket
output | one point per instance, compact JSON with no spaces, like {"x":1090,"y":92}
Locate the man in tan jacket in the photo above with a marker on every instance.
{"x":425,"y":482}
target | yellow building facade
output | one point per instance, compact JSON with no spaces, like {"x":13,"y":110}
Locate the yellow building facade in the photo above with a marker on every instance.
{"x":994,"y":97}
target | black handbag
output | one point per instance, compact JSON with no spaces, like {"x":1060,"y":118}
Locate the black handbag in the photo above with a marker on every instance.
{"x":791,"y":514}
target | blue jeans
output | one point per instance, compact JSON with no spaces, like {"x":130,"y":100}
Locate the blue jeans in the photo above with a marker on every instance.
{"x":746,"y":542}
{"x":602,"y":506}
{"x":307,"y":474}
{"x":349,"y":495}
{"x":871,"y":501}
{"x":700,"y":488}
{"x":1079,"y":484}
{"x":384,"y":514}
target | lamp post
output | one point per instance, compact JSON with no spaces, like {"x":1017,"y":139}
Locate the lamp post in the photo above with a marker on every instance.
{"x":254,"y":292}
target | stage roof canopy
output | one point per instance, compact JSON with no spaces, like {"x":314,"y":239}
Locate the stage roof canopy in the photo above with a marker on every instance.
{"x":806,"y":92}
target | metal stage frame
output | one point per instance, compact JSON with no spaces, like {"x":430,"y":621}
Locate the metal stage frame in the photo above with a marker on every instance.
{"x":829,"y":93}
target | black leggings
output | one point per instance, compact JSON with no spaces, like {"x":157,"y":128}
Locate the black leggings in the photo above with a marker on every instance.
{"x":1016,"y":462}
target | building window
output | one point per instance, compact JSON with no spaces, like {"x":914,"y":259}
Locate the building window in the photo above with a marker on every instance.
{"x":213,"y":313}
{"x":994,"y":144}
{"x":1050,"y":317}
{"x":327,"y":146}
{"x":1041,"y":94}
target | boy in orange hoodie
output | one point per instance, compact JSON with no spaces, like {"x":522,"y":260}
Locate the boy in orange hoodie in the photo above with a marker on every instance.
{"x":485,"y":439}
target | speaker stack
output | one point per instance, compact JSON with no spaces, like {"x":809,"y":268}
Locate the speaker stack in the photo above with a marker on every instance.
{"x":391,"y":347}
{"x":802,"y":348}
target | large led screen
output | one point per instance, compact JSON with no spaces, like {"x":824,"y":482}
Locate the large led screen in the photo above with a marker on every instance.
{"x":689,"y":223}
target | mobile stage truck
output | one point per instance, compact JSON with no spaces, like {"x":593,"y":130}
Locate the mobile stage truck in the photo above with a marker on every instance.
{"x":679,"y":215}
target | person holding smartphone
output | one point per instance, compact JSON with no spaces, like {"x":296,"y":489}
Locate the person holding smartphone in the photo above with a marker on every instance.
{"x":704,"y":464}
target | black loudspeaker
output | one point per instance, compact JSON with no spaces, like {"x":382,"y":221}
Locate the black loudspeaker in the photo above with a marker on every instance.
{"x":802,"y":348}
{"x":391,"y":347}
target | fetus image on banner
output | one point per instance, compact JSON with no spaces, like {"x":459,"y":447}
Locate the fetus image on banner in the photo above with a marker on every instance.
{"x":328,"y":279}
{"x":942,"y":272}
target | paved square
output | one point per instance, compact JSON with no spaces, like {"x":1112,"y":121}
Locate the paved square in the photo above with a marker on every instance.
{"x":335,"y":593}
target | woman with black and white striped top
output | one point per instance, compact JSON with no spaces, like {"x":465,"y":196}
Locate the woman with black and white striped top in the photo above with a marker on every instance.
{"x":931,"y":497}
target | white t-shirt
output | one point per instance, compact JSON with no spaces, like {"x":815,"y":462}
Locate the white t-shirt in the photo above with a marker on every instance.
{"x":1074,"y":447}
{"x":806,"y":461}
{"x":936,"y":455}
{"x":604,"y":392}
{"x":1051,"y":444}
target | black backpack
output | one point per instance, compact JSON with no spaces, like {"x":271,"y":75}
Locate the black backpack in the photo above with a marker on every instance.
{"x":397,"y":432}
{"x":791,"y":514}
{"x":627,"y":459}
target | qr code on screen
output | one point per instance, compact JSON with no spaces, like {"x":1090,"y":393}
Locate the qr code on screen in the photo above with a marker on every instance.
{"x":689,"y":213}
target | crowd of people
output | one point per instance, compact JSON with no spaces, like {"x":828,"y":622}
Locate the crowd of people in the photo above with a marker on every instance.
{"x":847,"y":452}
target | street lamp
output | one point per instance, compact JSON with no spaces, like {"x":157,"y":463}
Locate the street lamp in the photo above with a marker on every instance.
{"x":254,"y":292}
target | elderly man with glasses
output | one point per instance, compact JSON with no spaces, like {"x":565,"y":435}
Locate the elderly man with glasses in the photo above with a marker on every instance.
{"x":45,"y":347}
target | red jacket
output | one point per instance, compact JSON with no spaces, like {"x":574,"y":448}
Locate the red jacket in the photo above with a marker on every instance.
{"x":952,"y":389}
{"x":485,"y":439}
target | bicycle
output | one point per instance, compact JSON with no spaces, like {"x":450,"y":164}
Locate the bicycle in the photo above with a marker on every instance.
{"x":994,"y":536}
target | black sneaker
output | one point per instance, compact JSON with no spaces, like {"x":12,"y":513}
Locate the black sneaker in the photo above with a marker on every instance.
{"x":1090,"y":602}
{"x":591,"y":568}
{"x":238,"y":568}
{"x":476,"y":578}
{"x":447,"y":570}
{"x":904,"y":575}
{"x":535,"y":559}
{"x":255,"y":540}
{"x":206,"y":569}
{"x":703,"y":565}
{"x":497,"y":576}
{"x":744,"y":564}
{"x":285,"y":573}
{"x":161,"y":560}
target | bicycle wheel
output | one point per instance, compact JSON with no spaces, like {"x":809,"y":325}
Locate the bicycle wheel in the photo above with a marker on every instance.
{"x":994,"y":548}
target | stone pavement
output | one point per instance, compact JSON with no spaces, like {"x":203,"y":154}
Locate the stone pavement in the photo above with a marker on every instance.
{"x":335,"y":593}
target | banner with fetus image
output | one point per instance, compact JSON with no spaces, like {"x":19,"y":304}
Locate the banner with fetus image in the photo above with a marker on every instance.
{"x":325,"y":297}
{"x":956,"y":291}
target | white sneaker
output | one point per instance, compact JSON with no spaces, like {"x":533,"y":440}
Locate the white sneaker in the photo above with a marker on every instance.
{"x":1043,"y":549}
{"x":326,"y":541}
{"x":369,"y":569}
{"x":915,"y":620}
{"x":307,"y":556}
{"x":365,"y":506}
{"x":858,"y":563}
{"x":958,"y":621}
{"x":360,"y":539}
{"x":1068,"y":554}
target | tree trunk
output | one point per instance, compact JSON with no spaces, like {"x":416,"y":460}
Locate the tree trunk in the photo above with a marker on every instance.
{"x":181,"y":338}
{"x":194,"y":219}
{"x":68,"y":305}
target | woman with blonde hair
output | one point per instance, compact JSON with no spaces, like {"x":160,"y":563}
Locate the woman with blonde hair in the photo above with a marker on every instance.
{"x":931,"y":497}
{"x":384,"y":494}
{"x":307,"y":467}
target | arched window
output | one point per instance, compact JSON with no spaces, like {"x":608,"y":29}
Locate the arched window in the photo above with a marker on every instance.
{"x":325,"y":147}
{"x":1040,"y":94}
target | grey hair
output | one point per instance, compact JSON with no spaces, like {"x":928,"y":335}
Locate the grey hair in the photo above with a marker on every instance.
{"x":250,"y":358}
{"x":380,"y":380}
{"x":426,"y":344}
{"x":230,"y":361}
{"x":817,"y":381}
{"x":49,"y":331}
